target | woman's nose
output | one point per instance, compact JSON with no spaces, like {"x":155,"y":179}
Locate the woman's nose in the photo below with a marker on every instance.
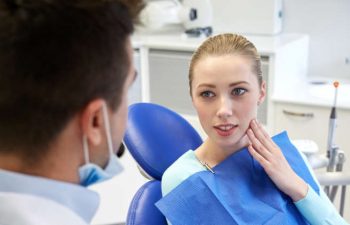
{"x":225,"y":108}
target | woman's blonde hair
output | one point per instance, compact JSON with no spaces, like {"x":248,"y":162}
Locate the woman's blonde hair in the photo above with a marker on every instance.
{"x":226,"y":44}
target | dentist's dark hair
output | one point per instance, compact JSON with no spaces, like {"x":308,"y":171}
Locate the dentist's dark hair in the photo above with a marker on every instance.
{"x":55,"y":57}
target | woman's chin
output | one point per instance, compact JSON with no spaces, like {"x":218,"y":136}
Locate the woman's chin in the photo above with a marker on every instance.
{"x":234,"y":144}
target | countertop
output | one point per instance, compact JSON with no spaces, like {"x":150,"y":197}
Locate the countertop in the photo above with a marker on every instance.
{"x":265,"y":44}
{"x":314,"y":91}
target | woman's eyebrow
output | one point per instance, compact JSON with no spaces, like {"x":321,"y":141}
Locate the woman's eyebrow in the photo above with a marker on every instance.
{"x":238,"y":83}
{"x":230,"y":85}
{"x":206,"y":85}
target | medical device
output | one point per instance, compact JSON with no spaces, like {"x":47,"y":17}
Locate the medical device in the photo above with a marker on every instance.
{"x":336,"y":157}
{"x":331,"y":147}
{"x":194,"y":15}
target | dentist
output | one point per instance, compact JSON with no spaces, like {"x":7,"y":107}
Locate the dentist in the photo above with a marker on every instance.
{"x":65,"y":70}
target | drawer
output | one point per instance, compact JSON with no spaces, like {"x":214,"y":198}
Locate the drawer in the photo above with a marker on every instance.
{"x":312,"y":122}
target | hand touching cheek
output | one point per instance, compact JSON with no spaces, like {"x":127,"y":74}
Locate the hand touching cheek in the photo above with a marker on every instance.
{"x":271,"y":158}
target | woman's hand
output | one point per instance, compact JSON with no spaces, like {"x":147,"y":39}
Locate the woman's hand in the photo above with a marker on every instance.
{"x":271,"y":158}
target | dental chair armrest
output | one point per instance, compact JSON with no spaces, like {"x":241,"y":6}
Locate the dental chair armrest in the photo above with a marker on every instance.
{"x":333,"y":178}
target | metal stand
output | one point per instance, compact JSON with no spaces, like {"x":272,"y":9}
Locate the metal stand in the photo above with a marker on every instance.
{"x":336,"y":162}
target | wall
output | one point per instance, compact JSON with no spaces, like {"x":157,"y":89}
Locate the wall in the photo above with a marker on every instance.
{"x":328,"y":24}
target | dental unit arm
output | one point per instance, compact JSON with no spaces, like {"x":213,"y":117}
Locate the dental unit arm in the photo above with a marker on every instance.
{"x":332,"y":149}
{"x":334,"y":177}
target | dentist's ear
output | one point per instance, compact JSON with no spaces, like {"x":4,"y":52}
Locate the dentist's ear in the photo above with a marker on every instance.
{"x":92,"y":122}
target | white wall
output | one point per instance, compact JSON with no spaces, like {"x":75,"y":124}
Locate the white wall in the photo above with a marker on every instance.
{"x":328,"y":24}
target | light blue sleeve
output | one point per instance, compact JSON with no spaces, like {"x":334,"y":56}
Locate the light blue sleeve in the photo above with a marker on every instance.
{"x":318,"y":210}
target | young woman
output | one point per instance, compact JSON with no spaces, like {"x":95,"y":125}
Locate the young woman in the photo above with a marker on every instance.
{"x":227,"y":87}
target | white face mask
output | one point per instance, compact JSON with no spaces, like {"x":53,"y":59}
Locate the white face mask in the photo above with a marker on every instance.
{"x":91,"y":173}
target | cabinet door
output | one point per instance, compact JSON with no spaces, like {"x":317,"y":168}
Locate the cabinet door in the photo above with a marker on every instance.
{"x":169,"y":80}
{"x":311,"y":122}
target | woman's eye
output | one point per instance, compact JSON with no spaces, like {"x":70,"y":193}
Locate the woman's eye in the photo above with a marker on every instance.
{"x":238,"y":91}
{"x":207,"y":94}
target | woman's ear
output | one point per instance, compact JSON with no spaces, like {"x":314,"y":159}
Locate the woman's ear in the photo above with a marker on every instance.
{"x":92,"y":122}
{"x":262,"y":93}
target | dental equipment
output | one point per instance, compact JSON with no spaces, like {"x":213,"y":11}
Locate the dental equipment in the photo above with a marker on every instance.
{"x":335,"y":156}
{"x":331,"y":147}
{"x":194,"y":15}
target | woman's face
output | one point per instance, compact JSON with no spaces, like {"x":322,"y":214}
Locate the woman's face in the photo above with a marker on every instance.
{"x":226,"y":94}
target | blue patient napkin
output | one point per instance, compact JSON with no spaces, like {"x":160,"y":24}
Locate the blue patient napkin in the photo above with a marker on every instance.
{"x":240,"y":192}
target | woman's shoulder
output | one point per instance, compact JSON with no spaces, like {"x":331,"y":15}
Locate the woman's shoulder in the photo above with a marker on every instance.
{"x":180,"y":170}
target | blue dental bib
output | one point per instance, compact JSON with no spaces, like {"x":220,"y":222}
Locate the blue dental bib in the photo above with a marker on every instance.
{"x":240,"y":192}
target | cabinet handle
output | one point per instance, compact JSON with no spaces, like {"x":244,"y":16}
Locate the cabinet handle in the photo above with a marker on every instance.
{"x":305,"y":115}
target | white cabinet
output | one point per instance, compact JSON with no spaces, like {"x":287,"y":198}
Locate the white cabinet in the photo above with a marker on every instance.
{"x":169,"y":79}
{"x":311,"y":122}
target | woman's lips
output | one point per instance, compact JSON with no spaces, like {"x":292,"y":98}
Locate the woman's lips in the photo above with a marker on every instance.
{"x":225,"y":130}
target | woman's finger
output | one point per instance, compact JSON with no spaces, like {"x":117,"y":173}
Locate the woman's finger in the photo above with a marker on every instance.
{"x":268,"y":137}
{"x":262,"y":161}
{"x":258,"y":146}
{"x":260,"y":134}
{"x":262,"y":129}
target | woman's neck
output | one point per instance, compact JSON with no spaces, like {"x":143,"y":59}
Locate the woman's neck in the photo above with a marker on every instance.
{"x":213,"y":154}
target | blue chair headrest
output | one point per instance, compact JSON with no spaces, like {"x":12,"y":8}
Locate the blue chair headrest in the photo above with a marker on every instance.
{"x":157,"y":136}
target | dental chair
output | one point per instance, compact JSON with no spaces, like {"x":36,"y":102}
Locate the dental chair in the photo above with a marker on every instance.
{"x":155,"y":137}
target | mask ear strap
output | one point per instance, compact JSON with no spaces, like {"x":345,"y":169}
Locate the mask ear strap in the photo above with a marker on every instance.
{"x":86,"y":149}
{"x":107,"y":128}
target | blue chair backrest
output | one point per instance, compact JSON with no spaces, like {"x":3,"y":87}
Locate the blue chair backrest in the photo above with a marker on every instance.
{"x":142,"y":210}
{"x":156,"y":137}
